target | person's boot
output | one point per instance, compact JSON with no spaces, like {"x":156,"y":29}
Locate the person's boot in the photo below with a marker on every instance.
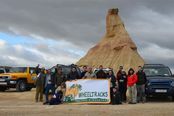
{"x":45,"y":103}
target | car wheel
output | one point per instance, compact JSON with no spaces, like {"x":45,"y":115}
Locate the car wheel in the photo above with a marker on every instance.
{"x":2,"y":89}
{"x":172,"y":98}
{"x":21,"y":86}
{"x":28,"y":88}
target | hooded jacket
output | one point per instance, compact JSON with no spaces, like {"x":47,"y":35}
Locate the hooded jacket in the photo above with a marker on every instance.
{"x":132,"y":79}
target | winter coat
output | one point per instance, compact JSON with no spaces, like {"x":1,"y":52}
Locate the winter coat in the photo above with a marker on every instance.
{"x":141,"y":78}
{"x":51,"y":80}
{"x":89,"y":75}
{"x":119,"y":74}
{"x":122,"y":80}
{"x":101,"y":74}
{"x":113,"y":80}
{"x":59,"y":79}
{"x":73,"y":76}
{"x":83,"y":74}
{"x":132,"y":79}
{"x":40,"y":80}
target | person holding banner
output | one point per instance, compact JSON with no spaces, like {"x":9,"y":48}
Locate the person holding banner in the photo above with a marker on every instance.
{"x":131,"y":87}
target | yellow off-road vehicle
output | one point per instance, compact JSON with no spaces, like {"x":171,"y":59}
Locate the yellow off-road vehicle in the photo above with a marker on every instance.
{"x":21,"y":78}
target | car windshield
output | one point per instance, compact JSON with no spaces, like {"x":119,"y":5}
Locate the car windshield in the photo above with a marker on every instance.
{"x":18,"y":70}
{"x":1,"y":71}
{"x":105,"y":70}
{"x":160,"y":71}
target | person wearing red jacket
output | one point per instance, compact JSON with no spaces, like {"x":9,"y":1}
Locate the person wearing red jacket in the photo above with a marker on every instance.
{"x":131,"y":87}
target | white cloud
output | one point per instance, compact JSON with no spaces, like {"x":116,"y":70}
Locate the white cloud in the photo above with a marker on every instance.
{"x":155,"y":52}
{"x":2,"y":43}
{"x":61,"y":52}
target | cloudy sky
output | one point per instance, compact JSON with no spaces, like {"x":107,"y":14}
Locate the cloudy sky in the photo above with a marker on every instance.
{"x":61,"y":31}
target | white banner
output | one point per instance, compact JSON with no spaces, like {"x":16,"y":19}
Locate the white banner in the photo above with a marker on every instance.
{"x":87,"y":91}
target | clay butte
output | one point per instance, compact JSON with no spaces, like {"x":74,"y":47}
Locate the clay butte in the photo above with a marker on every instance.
{"x":115,"y":49}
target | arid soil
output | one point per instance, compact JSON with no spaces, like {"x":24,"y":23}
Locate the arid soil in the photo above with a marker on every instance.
{"x":22,"y":104}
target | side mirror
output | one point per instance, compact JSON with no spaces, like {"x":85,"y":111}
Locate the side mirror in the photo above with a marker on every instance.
{"x":31,"y":71}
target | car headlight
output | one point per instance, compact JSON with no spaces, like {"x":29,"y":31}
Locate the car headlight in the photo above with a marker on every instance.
{"x":9,"y":77}
{"x":148,"y":84}
{"x":172,"y":84}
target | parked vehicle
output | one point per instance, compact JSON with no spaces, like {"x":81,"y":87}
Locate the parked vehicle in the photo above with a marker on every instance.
{"x":21,"y":78}
{"x":66,"y":69}
{"x":160,"y":80}
{"x":4,"y":69}
{"x":106,"y":70}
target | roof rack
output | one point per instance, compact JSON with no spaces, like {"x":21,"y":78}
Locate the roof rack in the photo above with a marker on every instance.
{"x":149,"y":65}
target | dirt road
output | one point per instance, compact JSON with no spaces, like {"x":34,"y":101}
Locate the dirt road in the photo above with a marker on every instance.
{"x":22,"y":104}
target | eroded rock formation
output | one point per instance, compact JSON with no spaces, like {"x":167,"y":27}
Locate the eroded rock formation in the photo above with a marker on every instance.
{"x":115,"y":49}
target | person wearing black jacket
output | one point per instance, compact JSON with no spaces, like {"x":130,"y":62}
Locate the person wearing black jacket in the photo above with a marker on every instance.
{"x":84,"y":71}
{"x":122,"y":83}
{"x":73,"y":75}
{"x":141,"y":85}
{"x":114,"y":93}
{"x":101,"y":74}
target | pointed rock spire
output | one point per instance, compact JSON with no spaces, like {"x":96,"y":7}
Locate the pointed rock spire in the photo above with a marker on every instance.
{"x":115,"y":49}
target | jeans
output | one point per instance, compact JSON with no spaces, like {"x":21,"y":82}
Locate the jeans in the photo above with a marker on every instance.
{"x":132,"y":94}
{"x":47,"y":89}
{"x":141,"y":93}
{"x":122,"y":90}
{"x":39,"y":91}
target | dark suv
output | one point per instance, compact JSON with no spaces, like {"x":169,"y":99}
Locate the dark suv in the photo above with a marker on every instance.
{"x":66,"y":69}
{"x":160,"y":80}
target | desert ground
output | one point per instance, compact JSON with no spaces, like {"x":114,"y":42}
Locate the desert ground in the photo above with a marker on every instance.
{"x":14,"y":103}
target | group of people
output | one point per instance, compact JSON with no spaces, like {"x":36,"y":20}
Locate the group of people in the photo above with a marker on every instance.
{"x":52,"y":85}
{"x":128,"y":87}
{"x":124,"y":86}
{"x":131,"y":86}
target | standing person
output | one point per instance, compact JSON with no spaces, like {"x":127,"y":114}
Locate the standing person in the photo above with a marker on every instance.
{"x":113,"y":84}
{"x":141,"y":85}
{"x":101,"y":74}
{"x":84,"y":71}
{"x":40,"y":85}
{"x":89,"y":74}
{"x":60,"y":81}
{"x":119,"y":73}
{"x":73,"y":75}
{"x":112,"y":77}
{"x":131,"y":87}
{"x":59,"y":77}
{"x":122,"y":83}
{"x":49,"y":85}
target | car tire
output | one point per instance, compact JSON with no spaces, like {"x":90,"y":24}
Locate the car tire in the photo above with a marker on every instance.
{"x":21,"y":86}
{"x":173,"y":98}
{"x":28,"y":88}
{"x":2,"y":89}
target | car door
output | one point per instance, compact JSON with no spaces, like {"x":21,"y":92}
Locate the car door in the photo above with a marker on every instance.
{"x":32,"y":73}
